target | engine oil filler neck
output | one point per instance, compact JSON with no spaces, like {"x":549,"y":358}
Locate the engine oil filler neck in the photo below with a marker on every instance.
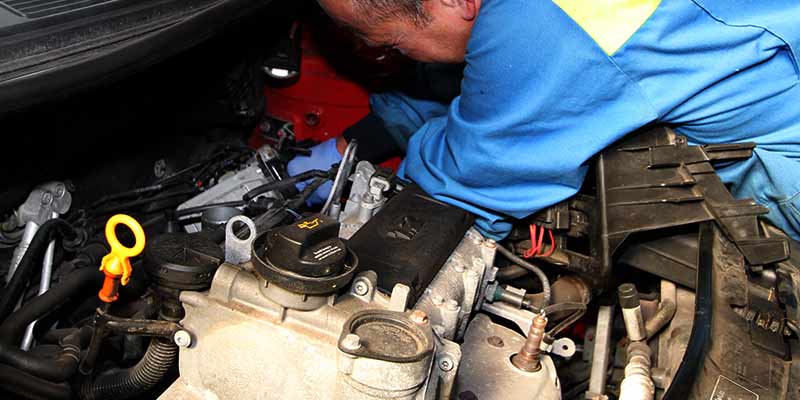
{"x":303,"y":259}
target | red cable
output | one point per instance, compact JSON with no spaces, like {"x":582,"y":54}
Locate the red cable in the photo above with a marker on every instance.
{"x":552,"y":244}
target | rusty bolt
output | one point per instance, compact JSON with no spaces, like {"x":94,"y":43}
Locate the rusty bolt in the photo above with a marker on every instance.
{"x":418,"y":317}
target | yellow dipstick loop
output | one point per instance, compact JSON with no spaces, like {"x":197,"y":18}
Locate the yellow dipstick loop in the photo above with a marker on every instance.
{"x":117,"y":264}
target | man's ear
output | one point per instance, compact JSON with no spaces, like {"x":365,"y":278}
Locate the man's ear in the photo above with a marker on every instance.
{"x":467,"y":8}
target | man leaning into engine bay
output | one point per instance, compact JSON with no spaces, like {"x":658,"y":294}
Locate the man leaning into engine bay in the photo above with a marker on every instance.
{"x":549,"y":84}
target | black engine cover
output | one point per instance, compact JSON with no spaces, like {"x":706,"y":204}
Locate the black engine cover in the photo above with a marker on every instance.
{"x":410,"y":239}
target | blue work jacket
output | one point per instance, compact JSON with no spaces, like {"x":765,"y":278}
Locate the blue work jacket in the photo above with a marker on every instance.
{"x":550,"y":83}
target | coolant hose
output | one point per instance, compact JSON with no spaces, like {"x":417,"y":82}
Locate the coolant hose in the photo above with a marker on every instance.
{"x":13,"y":380}
{"x":126,"y":383}
{"x":82,"y":281}
{"x":31,"y":261}
{"x":536,"y":271}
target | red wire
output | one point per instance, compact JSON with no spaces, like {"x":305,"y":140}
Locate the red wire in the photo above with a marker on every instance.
{"x":552,"y":244}
{"x":533,"y":250}
{"x":537,"y":243}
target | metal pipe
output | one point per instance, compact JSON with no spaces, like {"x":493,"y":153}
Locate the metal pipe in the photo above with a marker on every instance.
{"x":602,"y":352}
{"x":637,"y":384}
{"x":632,"y":312}
{"x":666,"y":309}
{"x":44,"y":285}
{"x":27,"y":237}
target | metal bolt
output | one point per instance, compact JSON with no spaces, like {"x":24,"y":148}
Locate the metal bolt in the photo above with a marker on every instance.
{"x":60,"y":190}
{"x":452,"y":305}
{"x":182,"y":338}
{"x":446,"y":364}
{"x":47,"y":198}
{"x":437,"y":300}
{"x":491,"y":243}
{"x":360,"y":288}
{"x":160,"y":168}
{"x":418,"y":317}
{"x":351,"y":342}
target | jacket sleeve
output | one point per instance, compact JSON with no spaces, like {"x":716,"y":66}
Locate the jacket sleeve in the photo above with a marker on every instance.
{"x":539,"y":99}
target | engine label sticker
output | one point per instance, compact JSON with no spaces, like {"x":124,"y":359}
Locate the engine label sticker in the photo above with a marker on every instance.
{"x":726,"y":389}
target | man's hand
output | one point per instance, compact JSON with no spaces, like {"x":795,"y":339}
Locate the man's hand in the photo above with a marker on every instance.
{"x":323,"y":156}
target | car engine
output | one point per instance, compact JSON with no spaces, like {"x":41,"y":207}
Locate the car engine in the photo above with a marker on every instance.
{"x":214,"y":279}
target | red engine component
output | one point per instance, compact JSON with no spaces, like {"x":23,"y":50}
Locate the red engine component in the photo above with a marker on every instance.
{"x":322,"y":103}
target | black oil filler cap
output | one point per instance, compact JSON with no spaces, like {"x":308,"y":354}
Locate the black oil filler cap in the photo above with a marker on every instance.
{"x":310,"y":247}
{"x":306,"y":257}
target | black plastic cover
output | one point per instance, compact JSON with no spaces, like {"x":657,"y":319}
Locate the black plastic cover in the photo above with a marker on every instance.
{"x":182,"y":260}
{"x":410,"y":239}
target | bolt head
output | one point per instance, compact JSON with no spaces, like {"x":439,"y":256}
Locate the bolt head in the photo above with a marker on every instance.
{"x":47,"y":198}
{"x":437,"y":300}
{"x":351,"y":342}
{"x":446,"y":364}
{"x":490,"y":243}
{"x":60,"y":190}
{"x":360,"y":288}
{"x":452,"y":305}
{"x":182,"y":338}
{"x":418,"y":317}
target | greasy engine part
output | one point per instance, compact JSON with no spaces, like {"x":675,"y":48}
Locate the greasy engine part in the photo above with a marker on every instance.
{"x":456,"y":289}
{"x":486,"y":371}
{"x":347,"y":342}
{"x":413,"y":229}
{"x":231,"y":188}
{"x":246,"y":346}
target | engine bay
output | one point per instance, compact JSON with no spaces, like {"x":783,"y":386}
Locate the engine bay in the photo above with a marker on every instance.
{"x":216,"y":280}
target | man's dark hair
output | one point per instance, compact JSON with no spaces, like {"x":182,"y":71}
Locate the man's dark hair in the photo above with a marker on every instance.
{"x":386,"y":10}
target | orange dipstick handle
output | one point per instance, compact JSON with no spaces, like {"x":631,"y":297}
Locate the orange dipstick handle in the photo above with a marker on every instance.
{"x":116,"y":265}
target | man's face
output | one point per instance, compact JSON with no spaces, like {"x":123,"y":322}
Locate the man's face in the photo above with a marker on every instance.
{"x":441,"y":39}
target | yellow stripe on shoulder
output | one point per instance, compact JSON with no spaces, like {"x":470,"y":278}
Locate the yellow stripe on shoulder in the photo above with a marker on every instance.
{"x":609,"y":22}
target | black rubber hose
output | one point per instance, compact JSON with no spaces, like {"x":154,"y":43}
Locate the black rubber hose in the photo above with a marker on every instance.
{"x":511,"y":272}
{"x":31,"y":261}
{"x":530,"y":267}
{"x":65,"y":364}
{"x":127,"y":383}
{"x":288,"y":182}
{"x":20,"y":383}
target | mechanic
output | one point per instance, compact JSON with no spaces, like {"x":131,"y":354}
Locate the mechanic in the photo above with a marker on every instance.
{"x":548,"y":84}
